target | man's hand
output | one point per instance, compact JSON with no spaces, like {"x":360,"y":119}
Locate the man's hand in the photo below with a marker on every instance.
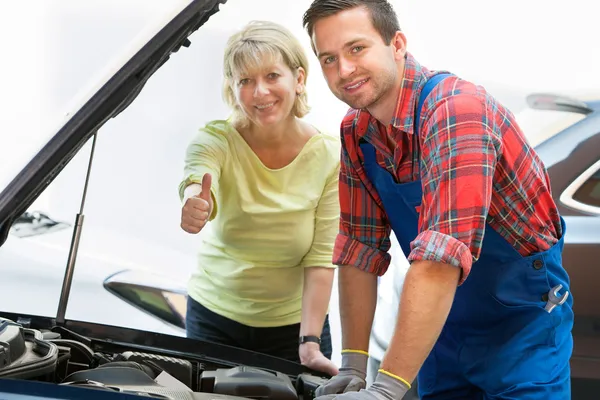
{"x":197,"y":209}
{"x":385,"y":387}
{"x":311,"y":357}
{"x":351,"y":377}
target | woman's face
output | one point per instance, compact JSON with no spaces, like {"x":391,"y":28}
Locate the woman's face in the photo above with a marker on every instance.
{"x":267,"y":96}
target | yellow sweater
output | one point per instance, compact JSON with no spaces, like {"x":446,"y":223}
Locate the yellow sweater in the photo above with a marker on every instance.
{"x":268,"y":225}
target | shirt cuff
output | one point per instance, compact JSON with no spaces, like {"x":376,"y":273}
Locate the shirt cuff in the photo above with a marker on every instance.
{"x":348,"y":251}
{"x":436,"y":246}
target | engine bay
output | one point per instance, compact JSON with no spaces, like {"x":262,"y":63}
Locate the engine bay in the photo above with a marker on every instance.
{"x":63,"y":357}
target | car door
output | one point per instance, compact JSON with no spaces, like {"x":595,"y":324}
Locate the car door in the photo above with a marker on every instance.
{"x":576,"y":189}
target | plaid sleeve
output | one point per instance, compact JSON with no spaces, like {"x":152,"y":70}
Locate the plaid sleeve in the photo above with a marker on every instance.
{"x":458,"y":160}
{"x":363,"y":238}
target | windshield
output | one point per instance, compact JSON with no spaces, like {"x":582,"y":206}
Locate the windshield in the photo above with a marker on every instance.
{"x":67,"y":49}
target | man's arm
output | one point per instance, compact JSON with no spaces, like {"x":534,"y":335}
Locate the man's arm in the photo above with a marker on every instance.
{"x":361,"y":247}
{"x":358,"y":297}
{"x":358,"y":293}
{"x":427,"y":296}
{"x":458,"y":163}
{"x":361,"y":252}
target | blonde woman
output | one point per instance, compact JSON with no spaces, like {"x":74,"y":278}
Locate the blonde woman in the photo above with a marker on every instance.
{"x":268,"y":182}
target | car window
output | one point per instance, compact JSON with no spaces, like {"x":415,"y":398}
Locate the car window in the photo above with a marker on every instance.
{"x":589,"y":192}
{"x":541,"y":125}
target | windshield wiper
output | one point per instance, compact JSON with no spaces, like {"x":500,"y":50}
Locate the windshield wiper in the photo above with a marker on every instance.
{"x":36,"y":223}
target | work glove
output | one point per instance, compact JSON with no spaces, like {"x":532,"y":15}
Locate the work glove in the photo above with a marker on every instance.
{"x":351,"y":376}
{"x":385,"y":387}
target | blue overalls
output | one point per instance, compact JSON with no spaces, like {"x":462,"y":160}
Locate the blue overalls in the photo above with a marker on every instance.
{"x":498,"y":342}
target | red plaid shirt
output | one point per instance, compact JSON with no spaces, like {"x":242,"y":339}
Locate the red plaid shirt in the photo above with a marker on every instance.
{"x":475,"y":167}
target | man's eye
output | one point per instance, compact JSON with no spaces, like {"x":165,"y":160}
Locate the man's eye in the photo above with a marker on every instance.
{"x":356,"y":49}
{"x":329,"y":60}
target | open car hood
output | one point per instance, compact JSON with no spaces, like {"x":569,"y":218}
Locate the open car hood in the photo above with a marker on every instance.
{"x":114,"y":94}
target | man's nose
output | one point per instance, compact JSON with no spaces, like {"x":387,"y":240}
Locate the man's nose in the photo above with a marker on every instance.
{"x":345,"y":68}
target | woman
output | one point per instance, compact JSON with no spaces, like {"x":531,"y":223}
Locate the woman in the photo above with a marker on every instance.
{"x":268,"y":182}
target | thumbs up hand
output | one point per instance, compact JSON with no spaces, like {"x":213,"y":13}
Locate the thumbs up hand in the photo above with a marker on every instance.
{"x":197,"y":209}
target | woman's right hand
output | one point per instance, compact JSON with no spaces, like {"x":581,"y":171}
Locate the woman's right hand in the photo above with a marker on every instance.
{"x":197,"y":209}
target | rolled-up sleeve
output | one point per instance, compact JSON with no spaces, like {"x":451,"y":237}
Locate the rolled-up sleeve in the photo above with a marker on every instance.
{"x":458,"y":161}
{"x":205,"y":154}
{"x":363,"y":238}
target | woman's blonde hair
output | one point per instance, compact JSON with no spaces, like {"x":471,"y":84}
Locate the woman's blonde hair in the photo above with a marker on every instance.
{"x":256,"y":45}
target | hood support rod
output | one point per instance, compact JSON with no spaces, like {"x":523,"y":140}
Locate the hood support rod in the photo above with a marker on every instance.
{"x":77,"y":229}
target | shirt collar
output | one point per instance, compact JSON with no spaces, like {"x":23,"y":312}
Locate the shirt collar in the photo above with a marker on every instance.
{"x":403,"y":118}
{"x":414,"y":75}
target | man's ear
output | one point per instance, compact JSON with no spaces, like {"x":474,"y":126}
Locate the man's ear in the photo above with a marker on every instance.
{"x":399,"y":45}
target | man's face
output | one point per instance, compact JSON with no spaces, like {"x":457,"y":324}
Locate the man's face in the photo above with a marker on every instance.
{"x":358,"y":66}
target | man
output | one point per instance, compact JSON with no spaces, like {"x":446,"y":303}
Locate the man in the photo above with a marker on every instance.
{"x":442,"y":163}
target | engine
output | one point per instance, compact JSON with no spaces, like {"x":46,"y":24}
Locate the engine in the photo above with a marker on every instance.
{"x":46,"y":356}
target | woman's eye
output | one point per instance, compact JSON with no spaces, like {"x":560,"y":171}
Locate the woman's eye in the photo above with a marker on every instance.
{"x":273,"y":75}
{"x":244,"y":81}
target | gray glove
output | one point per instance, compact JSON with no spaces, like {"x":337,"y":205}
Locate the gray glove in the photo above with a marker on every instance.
{"x":351,"y":376}
{"x":385,"y":387}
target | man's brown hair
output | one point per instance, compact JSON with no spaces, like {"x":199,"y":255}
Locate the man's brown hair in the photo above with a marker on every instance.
{"x":383,"y":16}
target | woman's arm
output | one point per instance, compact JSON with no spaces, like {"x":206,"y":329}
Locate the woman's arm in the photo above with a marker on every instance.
{"x":204,"y":155}
{"x":318,"y":276}
{"x":315,"y":299}
{"x":315,"y":304}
